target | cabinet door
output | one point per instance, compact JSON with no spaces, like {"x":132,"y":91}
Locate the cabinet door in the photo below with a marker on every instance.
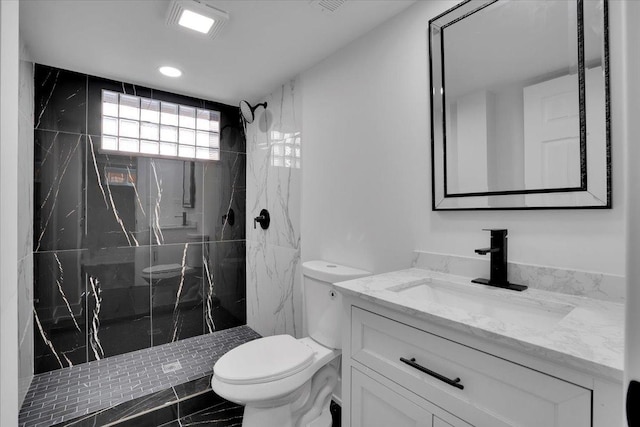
{"x":496,"y":393}
{"x":374,"y":405}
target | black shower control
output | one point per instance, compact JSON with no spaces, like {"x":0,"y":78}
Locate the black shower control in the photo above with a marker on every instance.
{"x":229,"y":218}
{"x":263,"y":219}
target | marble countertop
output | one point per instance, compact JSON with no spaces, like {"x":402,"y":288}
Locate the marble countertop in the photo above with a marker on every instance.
{"x":590,"y":337}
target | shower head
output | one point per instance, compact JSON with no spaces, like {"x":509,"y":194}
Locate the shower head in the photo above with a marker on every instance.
{"x":247,"y":110}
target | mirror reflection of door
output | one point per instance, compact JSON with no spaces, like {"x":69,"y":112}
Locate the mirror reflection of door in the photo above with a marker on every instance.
{"x":551,"y":133}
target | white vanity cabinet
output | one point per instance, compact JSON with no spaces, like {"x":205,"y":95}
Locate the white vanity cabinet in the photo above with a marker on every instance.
{"x":400,"y":371}
{"x":375,"y":404}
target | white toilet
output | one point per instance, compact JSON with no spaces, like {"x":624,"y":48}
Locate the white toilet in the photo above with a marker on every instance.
{"x":287,"y":382}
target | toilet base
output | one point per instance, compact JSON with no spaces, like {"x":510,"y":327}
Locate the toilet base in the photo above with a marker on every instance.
{"x":258,"y":417}
{"x":310,"y":409}
{"x":281,"y":417}
{"x":324,"y":420}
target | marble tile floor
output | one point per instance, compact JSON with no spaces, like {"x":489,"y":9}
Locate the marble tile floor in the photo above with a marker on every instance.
{"x":165,"y":383}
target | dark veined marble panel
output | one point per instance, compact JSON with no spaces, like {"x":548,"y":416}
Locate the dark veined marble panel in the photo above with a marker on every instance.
{"x":118,"y":201}
{"x":118,"y":301}
{"x":176,"y":201}
{"x":225,"y":285}
{"x":176,"y":278}
{"x":181,"y":99}
{"x":60,"y":100}
{"x":157,"y":409}
{"x":224,"y":184}
{"x":59,"y":310}
{"x":220,"y":413}
{"x":58,"y":191}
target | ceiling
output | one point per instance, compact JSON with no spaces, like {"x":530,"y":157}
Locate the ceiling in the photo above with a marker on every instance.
{"x":264,"y":43}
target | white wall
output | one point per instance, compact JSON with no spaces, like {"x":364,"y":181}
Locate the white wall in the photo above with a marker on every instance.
{"x":9,"y":82}
{"x":366,"y":184}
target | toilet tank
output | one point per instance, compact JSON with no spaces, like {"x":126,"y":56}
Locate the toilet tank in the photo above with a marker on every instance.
{"x":322,"y":305}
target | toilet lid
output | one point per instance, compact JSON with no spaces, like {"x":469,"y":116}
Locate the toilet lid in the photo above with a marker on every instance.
{"x":263,"y":360}
{"x":162,"y":268}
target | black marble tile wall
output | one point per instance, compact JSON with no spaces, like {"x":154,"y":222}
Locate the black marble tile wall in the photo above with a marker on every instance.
{"x":60,"y":160}
{"x":60,"y":317}
{"x":122,"y":261}
{"x":60,"y":100}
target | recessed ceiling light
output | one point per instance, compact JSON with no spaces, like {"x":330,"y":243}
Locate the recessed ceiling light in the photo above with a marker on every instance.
{"x":195,"y":21}
{"x":170,"y":71}
{"x":196,"y":15}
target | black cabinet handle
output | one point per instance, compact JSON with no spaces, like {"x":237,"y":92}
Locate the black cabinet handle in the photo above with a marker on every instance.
{"x":412,"y":362}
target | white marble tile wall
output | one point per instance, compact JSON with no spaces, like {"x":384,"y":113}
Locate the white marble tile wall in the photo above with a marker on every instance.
{"x":573,"y":282}
{"x":274,"y":278}
{"x":25,"y":227}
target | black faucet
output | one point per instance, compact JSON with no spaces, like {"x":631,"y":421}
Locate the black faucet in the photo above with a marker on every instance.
{"x":498,"y":272}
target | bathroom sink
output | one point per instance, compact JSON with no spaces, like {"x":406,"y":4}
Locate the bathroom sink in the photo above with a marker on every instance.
{"x":486,"y":302}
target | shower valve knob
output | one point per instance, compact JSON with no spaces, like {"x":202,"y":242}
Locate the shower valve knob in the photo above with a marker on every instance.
{"x":230,"y":218}
{"x":263,"y":219}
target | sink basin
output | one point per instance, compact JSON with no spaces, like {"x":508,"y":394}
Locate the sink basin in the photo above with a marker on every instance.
{"x":485,"y":302}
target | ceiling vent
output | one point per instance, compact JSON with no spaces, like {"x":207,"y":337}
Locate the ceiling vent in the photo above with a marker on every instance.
{"x":202,"y":12}
{"x":327,"y":6}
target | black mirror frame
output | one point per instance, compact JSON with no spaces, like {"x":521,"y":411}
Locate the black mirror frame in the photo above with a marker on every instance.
{"x":508,"y":200}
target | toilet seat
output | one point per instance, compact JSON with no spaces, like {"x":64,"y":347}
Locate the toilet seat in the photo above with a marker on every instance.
{"x":264,"y":360}
{"x":269,"y":391}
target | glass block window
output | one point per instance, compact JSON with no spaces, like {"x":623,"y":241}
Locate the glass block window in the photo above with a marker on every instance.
{"x":285,"y":149}
{"x":133,"y":124}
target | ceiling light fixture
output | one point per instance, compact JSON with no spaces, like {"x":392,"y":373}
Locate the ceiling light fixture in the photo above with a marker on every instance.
{"x":195,"y":21}
{"x":197,"y":16}
{"x":170,"y":71}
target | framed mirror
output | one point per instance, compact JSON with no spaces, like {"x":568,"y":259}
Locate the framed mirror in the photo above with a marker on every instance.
{"x":520,"y":105}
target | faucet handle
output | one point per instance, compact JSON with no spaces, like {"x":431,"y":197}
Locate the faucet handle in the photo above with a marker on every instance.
{"x":497,"y":233}
{"x":484,"y":251}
